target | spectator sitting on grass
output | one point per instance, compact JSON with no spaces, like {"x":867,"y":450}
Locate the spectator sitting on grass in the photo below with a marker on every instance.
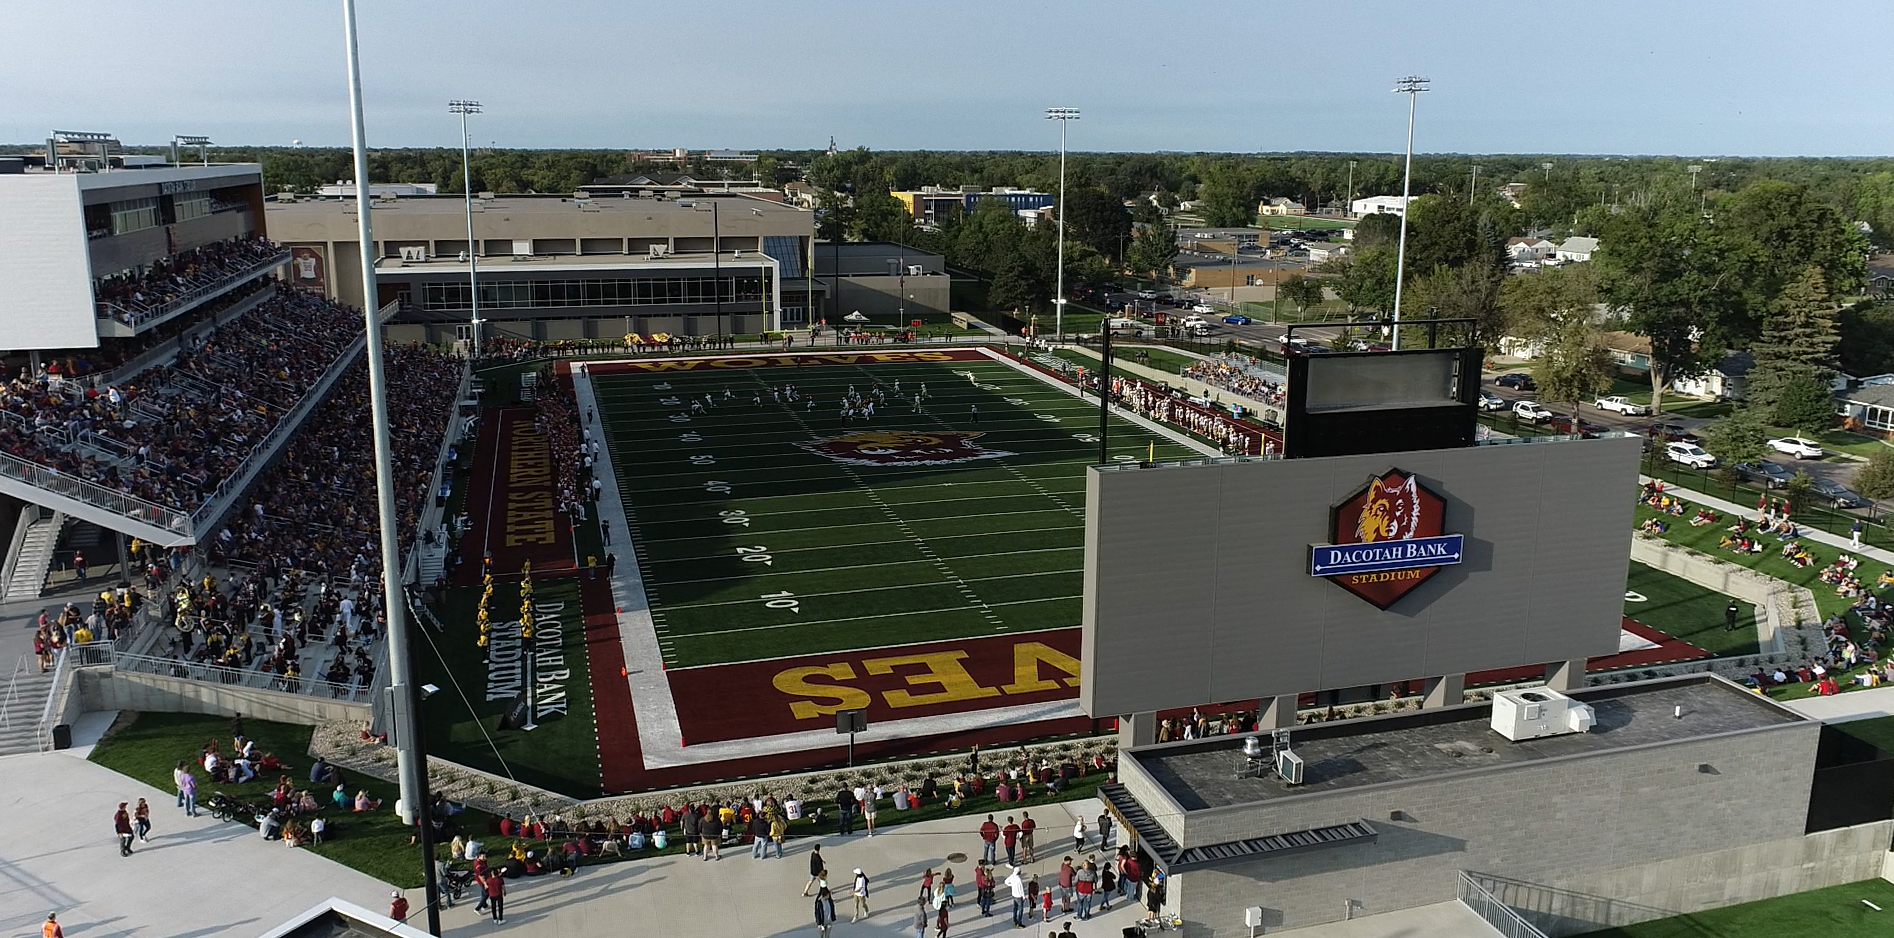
{"x":364,"y":803}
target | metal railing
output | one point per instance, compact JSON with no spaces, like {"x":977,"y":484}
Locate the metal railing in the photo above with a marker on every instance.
{"x":1504,"y":918}
{"x":94,"y":494}
{"x":62,"y":672}
{"x":137,"y":317}
{"x":13,"y":693}
{"x":254,"y":678}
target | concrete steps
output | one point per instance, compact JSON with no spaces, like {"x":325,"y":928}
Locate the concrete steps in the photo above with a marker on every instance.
{"x":36,"y":556}
{"x":19,"y":723}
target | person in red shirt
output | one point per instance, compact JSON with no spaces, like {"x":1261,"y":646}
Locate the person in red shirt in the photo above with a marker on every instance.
{"x":51,"y":929}
{"x":990,"y":833}
{"x":1026,"y":827}
{"x":398,"y":909}
{"x":496,"y":896}
{"x":1010,"y":834}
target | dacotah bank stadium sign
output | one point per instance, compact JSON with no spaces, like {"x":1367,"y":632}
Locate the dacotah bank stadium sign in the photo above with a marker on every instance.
{"x":1386,"y":539}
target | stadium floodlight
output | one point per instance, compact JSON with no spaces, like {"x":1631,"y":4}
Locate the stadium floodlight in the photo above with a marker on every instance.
{"x":402,"y":714}
{"x":57,"y":137}
{"x":1063,"y":115}
{"x":177,"y":140}
{"x":464,"y":108}
{"x":1412,"y":86}
{"x":1473,"y":186}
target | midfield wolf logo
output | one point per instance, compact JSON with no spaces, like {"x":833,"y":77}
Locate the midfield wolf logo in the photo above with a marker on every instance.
{"x":903,"y":448}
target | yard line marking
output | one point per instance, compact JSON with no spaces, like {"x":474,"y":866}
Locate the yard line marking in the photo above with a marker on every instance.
{"x":960,"y":585}
{"x":883,"y":615}
{"x":891,"y":563}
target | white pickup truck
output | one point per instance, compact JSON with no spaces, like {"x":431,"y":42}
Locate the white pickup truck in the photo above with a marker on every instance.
{"x":1623,"y":405}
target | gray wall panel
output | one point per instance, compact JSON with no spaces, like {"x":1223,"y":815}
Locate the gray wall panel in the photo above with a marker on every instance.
{"x":1198,"y":587}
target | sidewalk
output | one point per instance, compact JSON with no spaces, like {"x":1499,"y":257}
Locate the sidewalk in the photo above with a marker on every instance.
{"x":1841,"y":708}
{"x":1806,"y":533}
{"x":684,"y":897}
{"x":197,"y":878}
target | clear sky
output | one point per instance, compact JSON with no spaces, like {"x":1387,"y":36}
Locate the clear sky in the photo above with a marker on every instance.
{"x":1739,"y":77}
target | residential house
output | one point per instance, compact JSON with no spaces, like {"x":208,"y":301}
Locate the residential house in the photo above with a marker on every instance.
{"x":1320,"y":251}
{"x":1724,"y":382}
{"x":1576,"y":250}
{"x":1280,"y":206}
{"x":800,"y":194}
{"x":1528,"y":251}
{"x":1869,"y":403}
{"x":1629,"y":351}
{"x":1512,"y":192}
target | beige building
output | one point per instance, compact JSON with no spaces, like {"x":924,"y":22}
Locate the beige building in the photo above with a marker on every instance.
{"x":553,"y":267}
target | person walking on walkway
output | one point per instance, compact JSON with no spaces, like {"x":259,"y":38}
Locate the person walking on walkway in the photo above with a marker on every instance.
{"x":778,"y":830}
{"x":759,"y":836}
{"x":818,"y":871}
{"x":1010,"y":834}
{"x":141,"y":821}
{"x":989,"y":840}
{"x":51,"y":929}
{"x":824,"y":913}
{"x":122,"y":824}
{"x":920,"y":918}
{"x":844,"y":811}
{"x":861,"y":896}
{"x":1104,"y":830}
{"x":496,"y":895}
{"x":712,"y":828}
{"x":1026,"y":827}
{"x":1078,"y":836}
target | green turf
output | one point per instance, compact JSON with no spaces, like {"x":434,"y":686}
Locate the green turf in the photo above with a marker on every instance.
{"x":1835,"y":912}
{"x":1770,"y":562}
{"x":376,"y":843}
{"x":562,"y":752}
{"x":1682,"y":609}
{"x":730,"y":515}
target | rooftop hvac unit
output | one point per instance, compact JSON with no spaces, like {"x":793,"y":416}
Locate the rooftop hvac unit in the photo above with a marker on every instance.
{"x":736,"y":253}
{"x":1289,"y":767}
{"x":658,"y":250}
{"x":412,"y":253}
{"x":1536,"y":712}
{"x":915,"y":270}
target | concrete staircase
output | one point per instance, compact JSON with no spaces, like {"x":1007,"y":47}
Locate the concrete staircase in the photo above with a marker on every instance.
{"x":21,"y":702}
{"x":35,"y":556}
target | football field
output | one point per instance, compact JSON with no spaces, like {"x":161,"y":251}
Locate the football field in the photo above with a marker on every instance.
{"x":766,"y":527}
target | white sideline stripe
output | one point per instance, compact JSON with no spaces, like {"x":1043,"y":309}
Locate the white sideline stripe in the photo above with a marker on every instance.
{"x":801,"y":511}
{"x":859,"y":524}
{"x":1022,"y":633}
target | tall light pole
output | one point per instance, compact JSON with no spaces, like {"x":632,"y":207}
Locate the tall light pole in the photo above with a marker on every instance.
{"x":1063,"y":115}
{"x":410,"y":756}
{"x":1473,"y":186}
{"x":1702,"y":197}
{"x":464,"y":108}
{"x":1548,"y":171}
{"x":1348,"y":204}
{"x":1412,"y":86}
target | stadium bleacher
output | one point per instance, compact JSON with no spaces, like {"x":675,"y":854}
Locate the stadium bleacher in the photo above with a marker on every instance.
{"x":127,"y":296}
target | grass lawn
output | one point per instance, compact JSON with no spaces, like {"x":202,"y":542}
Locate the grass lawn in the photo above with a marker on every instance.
{"x":561,"y":754}
{"x":1878,"y":730}
{"x":1300,"y":223}
{"x":1677,"y":607}
{"x":1154,"y":357}
{"x":753,"y":544}
{"x":375,"y":843}
{"x":1770,"y":562}
{"x":1835,"y":912}
{"x":1837,"y":441}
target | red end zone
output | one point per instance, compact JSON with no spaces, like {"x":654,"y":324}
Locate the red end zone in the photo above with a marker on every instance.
{"x":788,"y":695}
{"x":513,"y":500}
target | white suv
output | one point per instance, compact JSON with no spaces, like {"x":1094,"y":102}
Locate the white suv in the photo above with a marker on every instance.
{"x":1690,"y":454}
{"x":1533,"y":411}
{"x":1798,"y":447}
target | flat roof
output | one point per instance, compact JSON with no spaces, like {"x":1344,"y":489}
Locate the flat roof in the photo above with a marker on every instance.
{"x":729,"y":206}
{"x":1201,"y":774}
{"x":496,"y":265}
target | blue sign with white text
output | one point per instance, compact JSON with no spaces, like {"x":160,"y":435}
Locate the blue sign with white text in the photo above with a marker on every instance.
{"x":1383,"y":556}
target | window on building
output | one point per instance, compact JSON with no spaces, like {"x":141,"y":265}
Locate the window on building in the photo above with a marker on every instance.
{"x":134,"y":215}
{"x":544,"y":294}
{"x":187,"y":207}
{"x":1881,"y":418}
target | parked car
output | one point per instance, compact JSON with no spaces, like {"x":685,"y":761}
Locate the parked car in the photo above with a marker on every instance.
{"x":1671,"y":433}
{"x":1623,"y":405}
{"x":1147,"y":294}
{"x":1517,"y":381}
{"x":1203,"y":309}
{"x":1689,"y":454}
{"x":1770,"y":474}
{"x":1799,"y":447}
{"x":1130,"y":327}
{"x":1532,"y":410}
{"x":1192,"y":321}
{"x":1491,"y":401}
{"x":1836,"y":494}
{"x":1574,"y":425}
{"x":1237,"y":319}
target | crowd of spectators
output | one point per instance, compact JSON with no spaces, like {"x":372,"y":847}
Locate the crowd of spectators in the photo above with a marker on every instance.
{"x":1240,"y":374}
{"x":175,"y":433}
{"x":315,"y":509}
{"x":1158,"y":404}
{"x":124,"y":296}
{"x":573,"y":447}
{"x":92,"y":364}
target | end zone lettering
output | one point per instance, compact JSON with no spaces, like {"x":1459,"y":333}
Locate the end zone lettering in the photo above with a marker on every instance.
{"x":923,"y":680}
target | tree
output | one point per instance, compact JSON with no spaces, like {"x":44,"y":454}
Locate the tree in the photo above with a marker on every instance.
{"x":1867,"y":338}
{"x":1469,"y":291}
{"x":1740,"y":437}
{"x":1096,"y":219}
{"x":1782,"y":228}
{"x":880,"y":217}
{"x":1668,"y":273}
{"x":1805,"y":404}
{"x":1797,"y":342}
{"x":1302,"y":291}
{"x":1377,"y":230}
{"x":1227,"y":199}
{"x":1153,"y":250}
{"x":1015,"y":287}
{"x":1876,"y":479}
{"x":1367,"y":279}
{"x":1574,"y":366}
{"x":1533,"y":307}
{"x":833,"y":216}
